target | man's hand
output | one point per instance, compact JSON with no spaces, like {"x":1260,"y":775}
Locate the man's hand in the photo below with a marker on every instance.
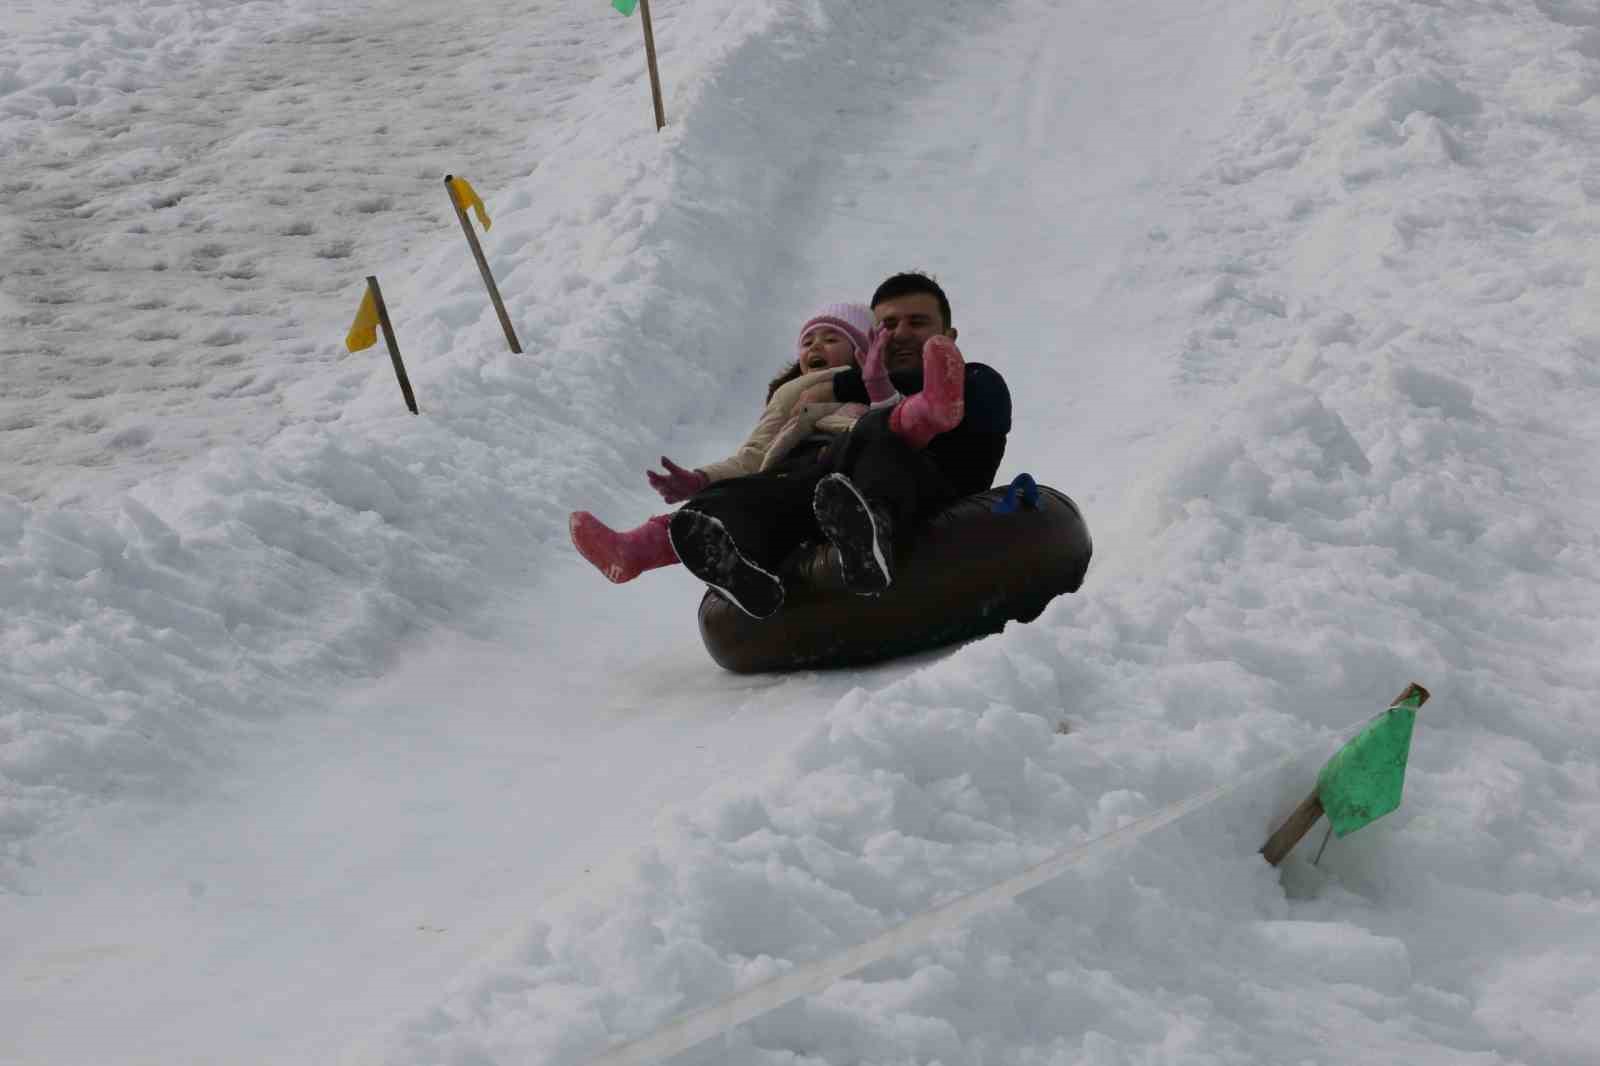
{"x":819,"y":393}
{"x":803,"y":424}
{"x":677,"y":484}
{"x":793,"y":432}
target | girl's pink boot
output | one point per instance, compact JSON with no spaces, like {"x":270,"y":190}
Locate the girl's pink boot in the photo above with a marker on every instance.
{"x":941,"y":404}
{"x":622,"y":556}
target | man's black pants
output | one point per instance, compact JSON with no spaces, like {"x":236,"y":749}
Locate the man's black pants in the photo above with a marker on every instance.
{"x":769,"y":514}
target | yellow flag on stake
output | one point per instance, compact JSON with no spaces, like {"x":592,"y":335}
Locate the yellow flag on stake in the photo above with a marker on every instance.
{"x":364,"y":330}
{"x":469,"y":198}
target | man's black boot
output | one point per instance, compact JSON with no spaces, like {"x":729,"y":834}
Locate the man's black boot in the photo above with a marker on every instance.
{"x":861,"y":531}
{"x":707,"y":551}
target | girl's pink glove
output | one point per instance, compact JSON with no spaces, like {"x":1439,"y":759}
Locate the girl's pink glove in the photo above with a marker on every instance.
{"x":677,"y":484}
{"x":873,"y":373}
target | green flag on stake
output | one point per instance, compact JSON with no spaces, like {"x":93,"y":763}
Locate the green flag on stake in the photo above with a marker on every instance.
{"x":625,"y":6}
{"x":1362,"y":782}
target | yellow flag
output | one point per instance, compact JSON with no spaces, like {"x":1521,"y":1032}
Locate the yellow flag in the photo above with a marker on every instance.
{"x":469,"y":198}
{"x":364,"y":330}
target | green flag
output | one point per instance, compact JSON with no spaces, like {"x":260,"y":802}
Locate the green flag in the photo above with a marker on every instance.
{"x":1362,"y":782}
{"x":625,"y":6}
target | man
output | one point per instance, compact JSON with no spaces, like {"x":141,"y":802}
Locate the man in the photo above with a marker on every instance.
{"x":936,"y":432}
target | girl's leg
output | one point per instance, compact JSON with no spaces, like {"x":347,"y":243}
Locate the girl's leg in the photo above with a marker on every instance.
{"x":941,"y":403}
{"x":622,"y":556}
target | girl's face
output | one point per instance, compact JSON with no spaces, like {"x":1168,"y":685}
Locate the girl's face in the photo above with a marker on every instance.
{"x":824,"y":347}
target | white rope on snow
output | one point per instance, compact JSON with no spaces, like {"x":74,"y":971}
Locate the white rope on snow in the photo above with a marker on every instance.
{"x":685,"y":1032}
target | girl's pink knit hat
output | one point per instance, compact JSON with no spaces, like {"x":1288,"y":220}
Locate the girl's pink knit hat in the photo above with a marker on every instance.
{"x":853,"y":320}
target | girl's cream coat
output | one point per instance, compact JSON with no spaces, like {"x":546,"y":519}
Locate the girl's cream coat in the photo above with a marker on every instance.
{"x":784,"y":424}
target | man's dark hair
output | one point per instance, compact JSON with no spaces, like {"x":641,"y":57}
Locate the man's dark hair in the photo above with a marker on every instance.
{"x":909,"y":283}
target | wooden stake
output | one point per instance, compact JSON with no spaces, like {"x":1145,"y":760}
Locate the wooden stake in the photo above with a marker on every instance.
{"x":483,"y":265}
{"x":394,"y":347}
{"x":650,"y":60}
{"x":1282,"y":842}
{"x":1287,"y":835}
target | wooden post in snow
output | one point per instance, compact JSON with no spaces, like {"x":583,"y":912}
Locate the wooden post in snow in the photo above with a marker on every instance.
{"x":1281,"y":842}
{"x":394,"y":346}
{"x":650,"y":61}
{"x":483,"y":264}
{"x":1287,"y":835}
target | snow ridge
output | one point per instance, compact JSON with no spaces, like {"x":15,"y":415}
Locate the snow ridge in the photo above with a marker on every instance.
{"x":1374,"y":471}
{"x":1294,"y":298}
{"x":145,"y":626}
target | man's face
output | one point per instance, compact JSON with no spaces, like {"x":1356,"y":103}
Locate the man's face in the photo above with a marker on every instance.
{"x":910,"y":320}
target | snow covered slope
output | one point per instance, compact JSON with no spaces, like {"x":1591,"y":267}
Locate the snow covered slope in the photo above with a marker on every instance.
{"x":1295,"y":298}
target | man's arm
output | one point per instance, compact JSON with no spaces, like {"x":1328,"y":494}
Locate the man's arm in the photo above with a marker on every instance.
{"x":985,"y":395}
{"x":971,"y":453}
{"x":988,"y":401}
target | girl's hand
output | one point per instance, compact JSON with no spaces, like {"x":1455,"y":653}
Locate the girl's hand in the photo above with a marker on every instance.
{"x":677,"y":484}
{"x":874,"y":375}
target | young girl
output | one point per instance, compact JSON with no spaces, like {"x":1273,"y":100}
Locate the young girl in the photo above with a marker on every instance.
{"x":830,"y":340}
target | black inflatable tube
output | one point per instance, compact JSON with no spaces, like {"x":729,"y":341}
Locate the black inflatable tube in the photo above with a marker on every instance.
{"x":966,"y":574}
